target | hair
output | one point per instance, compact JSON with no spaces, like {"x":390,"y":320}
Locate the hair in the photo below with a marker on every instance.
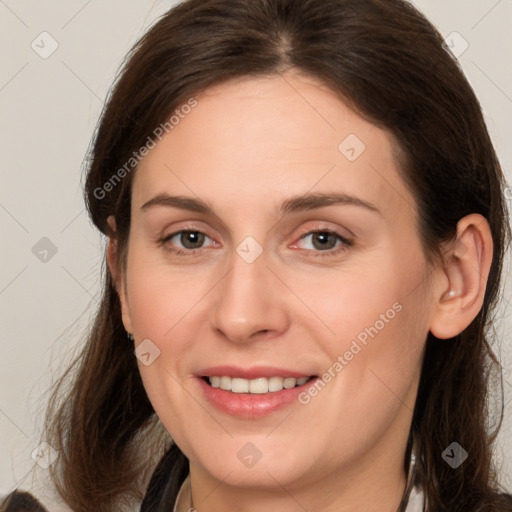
{"x":388,"y":63}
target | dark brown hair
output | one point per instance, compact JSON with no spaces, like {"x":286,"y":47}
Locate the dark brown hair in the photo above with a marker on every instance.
{"x":388,"y":63}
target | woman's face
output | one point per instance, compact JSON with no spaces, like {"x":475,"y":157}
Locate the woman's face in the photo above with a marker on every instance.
{"x":273,"y":241}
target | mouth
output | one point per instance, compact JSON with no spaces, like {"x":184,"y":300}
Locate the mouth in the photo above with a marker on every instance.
{"x":257,"y":386}
{"x":252,"y":393}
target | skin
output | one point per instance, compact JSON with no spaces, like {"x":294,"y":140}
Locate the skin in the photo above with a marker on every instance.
{"x":249,"y":145}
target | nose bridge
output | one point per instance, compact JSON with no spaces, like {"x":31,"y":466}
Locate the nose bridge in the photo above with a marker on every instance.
{"x":248,"y":301}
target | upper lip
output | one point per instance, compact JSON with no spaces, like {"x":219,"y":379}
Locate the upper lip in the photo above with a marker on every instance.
{"x":250,"y":373}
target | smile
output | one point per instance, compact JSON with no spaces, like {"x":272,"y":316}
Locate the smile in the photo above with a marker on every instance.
{"x":259,"y":385}
{"x":252,"y":392}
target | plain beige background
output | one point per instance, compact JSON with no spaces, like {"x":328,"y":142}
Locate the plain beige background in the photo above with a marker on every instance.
{"x":51,"y":256}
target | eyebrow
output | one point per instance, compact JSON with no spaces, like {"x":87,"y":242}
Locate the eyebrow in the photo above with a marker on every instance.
{"x":309,"y":201}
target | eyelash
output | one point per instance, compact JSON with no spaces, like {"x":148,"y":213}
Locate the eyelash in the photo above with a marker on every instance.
{"x":182,"y":252}
{"x":345,"y":243}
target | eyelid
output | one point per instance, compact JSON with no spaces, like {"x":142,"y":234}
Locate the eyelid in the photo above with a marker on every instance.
{"x":186,"y":225}
{"x":348,"y":237}
{"x":328,"y":226}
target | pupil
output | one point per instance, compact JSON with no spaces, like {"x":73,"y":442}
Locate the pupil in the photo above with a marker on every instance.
{"x":192,"y":239}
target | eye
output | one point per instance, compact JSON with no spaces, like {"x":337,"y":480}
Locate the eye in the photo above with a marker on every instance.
{"x":186,"y":241}
{"x":324,"y":242}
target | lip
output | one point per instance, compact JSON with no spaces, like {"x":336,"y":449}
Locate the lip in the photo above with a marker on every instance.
{"x":251,"y":405}
{"x":250,"y":373}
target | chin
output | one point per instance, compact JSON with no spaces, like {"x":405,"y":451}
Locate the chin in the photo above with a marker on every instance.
{"x":265,"y":471}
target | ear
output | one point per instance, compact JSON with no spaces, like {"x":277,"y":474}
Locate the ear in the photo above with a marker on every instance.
{"x":460,"y":286}
{"x":115,"y":272}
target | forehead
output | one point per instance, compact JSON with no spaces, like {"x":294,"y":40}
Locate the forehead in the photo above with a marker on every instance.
{"x":252,"y":141}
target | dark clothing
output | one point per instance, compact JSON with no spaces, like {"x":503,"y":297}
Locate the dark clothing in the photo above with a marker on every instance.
{"x":160,"y":496}
{"x":20,"y":501}
{"x":166,"y":482}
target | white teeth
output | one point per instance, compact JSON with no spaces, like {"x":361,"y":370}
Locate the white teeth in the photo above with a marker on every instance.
{"x":260,"y":385}
{"x":225,"y":383}
{"x":240,"y":385}
{"x":289,"y":383}
{"x":275,"y":383}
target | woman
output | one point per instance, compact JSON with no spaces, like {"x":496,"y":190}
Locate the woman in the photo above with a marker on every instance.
{"x":306,"y":228}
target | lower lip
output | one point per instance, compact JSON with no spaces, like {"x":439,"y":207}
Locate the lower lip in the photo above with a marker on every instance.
{"x":251,"y":405}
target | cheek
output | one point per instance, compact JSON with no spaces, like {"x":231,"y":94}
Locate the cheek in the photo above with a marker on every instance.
{"x":159,"y":296}
{"x":370,"y":295}
{"x":373,"y":329}
{"x":162,"y":303}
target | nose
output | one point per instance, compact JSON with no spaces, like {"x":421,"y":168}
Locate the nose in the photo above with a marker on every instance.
{"x":251,"y":302}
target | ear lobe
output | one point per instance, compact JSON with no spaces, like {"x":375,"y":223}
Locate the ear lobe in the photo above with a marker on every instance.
{"x":467,"y":264}
{"x":117,"y":278}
